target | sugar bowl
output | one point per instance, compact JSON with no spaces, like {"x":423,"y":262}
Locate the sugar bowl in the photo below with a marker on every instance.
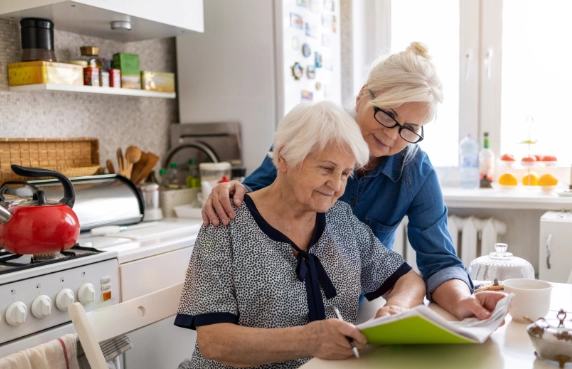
{"x":550,"y":342}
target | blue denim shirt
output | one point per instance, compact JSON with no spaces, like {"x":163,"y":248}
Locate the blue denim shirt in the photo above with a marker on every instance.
{"x":383,"y":196}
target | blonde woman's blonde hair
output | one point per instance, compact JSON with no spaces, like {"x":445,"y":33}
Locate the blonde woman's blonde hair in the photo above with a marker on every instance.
{"x":406,"y":76}
{"x":309,"y":128}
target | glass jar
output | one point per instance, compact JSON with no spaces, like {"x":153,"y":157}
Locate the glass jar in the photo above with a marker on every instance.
{"x":212,"y":174}
{"x":500,"y":265}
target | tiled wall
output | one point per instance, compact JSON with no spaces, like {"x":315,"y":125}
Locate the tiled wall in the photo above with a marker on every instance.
{"x":117,"y":121}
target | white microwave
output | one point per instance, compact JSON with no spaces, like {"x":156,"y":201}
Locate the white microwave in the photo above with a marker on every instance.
{"x":555,"y":254}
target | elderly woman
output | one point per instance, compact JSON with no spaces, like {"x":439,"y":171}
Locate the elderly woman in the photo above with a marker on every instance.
{"x":262,"y":290}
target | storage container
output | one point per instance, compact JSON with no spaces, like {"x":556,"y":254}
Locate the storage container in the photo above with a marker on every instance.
{"x":38,"y":72}
{"x":127,"y":63}
{"x":157,"y":81}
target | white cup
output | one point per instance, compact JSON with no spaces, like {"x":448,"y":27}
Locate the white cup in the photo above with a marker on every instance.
{"x":531,"y":298}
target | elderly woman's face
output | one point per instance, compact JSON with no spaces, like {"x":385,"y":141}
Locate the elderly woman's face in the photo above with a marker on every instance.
{"x":384,"y":141}
{"x":322,"y":178}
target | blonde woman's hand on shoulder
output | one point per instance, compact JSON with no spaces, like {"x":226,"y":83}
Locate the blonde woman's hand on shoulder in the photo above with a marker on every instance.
{"x":218,"y":204}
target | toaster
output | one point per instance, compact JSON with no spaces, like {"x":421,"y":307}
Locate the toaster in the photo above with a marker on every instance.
{"x":100,"y":200}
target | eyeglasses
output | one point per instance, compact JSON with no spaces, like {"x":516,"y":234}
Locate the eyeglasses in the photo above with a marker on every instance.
{"x":409,"y":132}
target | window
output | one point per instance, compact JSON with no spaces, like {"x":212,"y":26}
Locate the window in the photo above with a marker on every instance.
{"x":537,"y":77}
{"x":505,"y":66}
{"x":442,"y":40}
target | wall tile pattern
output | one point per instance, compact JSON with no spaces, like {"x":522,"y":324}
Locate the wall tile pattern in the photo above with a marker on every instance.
{"x":117,"y":121}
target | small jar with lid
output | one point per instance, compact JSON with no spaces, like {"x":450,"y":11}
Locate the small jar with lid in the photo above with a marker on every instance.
{"x":500,"y":265}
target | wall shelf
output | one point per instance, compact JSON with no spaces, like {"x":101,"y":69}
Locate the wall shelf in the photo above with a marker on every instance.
{"x":92,"y":89}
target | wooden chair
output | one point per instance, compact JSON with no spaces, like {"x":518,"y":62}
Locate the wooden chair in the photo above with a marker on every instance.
{"x":103,"y":324}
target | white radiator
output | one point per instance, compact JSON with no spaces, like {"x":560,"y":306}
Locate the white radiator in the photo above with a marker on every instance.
{"x":472,"y":237}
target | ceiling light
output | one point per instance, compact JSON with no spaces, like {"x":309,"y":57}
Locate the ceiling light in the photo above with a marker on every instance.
{"x":121,"y":25}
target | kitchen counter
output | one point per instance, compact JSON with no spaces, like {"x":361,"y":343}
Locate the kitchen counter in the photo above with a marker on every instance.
{"x":508,"y":347}
{"x":498,"y":198}
{"x":159,"y":237}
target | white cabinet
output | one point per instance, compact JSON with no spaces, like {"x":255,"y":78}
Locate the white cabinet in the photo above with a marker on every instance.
{"x":149,"y":19}
{"x":555,"y":256}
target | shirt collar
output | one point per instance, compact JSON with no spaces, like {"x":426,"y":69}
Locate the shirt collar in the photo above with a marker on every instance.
{"x":390,"y":166}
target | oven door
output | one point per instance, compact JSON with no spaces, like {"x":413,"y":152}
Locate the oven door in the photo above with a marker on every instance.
{"x":14,"y":346}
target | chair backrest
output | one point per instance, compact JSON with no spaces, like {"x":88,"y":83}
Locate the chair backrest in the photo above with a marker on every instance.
{"x":115,"y":320}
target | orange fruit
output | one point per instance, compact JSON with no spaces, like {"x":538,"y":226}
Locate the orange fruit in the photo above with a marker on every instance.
{"x":508,"y":179}
{"x":547,"y":180}
{"x":548,"y":158}
{"x":531,"y":179}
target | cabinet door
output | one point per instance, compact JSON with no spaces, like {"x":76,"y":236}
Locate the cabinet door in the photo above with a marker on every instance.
{"x":555,"y":256}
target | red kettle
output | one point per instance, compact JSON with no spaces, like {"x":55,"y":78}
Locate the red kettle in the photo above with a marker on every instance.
{"x":39,"y":226}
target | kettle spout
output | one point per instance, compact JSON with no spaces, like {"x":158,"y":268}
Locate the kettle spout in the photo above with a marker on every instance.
{"x":5,"y":215}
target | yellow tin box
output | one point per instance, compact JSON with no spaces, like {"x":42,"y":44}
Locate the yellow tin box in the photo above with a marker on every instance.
{"x":157,"y":81}
{"x":37,"y":72}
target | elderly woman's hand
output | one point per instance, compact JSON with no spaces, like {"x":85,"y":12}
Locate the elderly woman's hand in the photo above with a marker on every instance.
{"x":328,"y":339}
{"x":218,"y":203}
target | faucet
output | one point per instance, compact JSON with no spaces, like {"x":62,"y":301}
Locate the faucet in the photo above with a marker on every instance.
{"x":197,"y":145}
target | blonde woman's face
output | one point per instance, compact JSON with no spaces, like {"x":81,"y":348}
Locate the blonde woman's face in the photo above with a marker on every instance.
{"x":384,"y":141}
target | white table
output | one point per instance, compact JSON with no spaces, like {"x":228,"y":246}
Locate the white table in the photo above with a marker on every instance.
{"x":508,"y":347}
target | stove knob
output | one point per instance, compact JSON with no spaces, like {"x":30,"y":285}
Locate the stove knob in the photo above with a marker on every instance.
{"x":16,"y":313}
{"x":64,"y":299}
{"x":42,"y":307}
{"x":86,"y":294}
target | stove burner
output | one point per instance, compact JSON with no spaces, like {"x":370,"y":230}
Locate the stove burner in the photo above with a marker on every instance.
{"x":38,"y":258}
{"x":14,"y":263}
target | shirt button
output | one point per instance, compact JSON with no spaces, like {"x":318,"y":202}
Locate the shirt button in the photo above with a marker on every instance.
{"x":353,"y":201}
{"x":364,"y":179}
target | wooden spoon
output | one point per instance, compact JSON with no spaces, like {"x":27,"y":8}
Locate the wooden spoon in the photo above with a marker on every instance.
{"x":110,"y":167}
{"x":132,"y":156}
{"x":120,"y":161}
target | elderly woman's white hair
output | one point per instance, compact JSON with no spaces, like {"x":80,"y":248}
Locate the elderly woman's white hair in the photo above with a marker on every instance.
{"x":311,"y":127}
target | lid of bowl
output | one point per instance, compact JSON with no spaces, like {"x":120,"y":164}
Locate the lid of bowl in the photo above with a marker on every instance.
{"x":562,"y":332}
{"x":500,"y":265}
{"x":501,"y":257}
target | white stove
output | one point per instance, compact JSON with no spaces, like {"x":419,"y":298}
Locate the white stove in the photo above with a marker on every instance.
{"x":131,"y":263}
{"x":35,"y":295}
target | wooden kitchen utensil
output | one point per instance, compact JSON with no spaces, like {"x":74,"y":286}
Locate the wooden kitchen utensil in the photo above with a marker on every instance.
{"x":119,"y":160}
{"x":138,"y":167}
{"x":110,"y":167}
{"x":152,"y":159}
{"x":132,"y":156}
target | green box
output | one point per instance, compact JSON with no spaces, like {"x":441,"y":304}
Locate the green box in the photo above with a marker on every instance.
{"x":127,"y":63}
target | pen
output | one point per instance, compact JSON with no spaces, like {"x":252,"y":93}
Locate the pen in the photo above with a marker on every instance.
{"x":352,"y":344}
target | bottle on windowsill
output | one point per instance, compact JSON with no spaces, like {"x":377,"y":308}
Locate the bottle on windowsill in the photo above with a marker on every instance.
{"x":486,"y":163}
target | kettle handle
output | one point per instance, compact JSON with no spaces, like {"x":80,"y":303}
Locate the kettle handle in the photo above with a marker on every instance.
{"x":69,"y":192}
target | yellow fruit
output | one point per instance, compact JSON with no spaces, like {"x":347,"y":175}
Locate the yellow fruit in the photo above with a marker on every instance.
{"x":530,"y":179}
{"x":547,"y":180}
{"x":508,"y":179}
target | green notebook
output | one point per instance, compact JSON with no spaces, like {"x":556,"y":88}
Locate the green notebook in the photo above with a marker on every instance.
{"x":421,"y":325}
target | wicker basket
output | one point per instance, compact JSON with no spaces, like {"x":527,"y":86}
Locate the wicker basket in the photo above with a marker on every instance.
{"x":73,"y":157}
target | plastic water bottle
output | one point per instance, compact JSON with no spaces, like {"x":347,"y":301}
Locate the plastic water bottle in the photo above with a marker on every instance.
{"x":173,"y":176}
{"x":469,"y":162}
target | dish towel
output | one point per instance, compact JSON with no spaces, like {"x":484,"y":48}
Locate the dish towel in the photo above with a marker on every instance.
{"x":60,"y":353}
{"x":65,"y":353}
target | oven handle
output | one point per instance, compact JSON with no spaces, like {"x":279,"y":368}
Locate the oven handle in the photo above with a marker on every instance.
{"x":548,"y":240}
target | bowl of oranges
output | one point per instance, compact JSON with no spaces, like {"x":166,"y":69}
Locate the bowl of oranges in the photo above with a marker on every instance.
{"x":508,"y":181}
{"x":548,"y":182}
